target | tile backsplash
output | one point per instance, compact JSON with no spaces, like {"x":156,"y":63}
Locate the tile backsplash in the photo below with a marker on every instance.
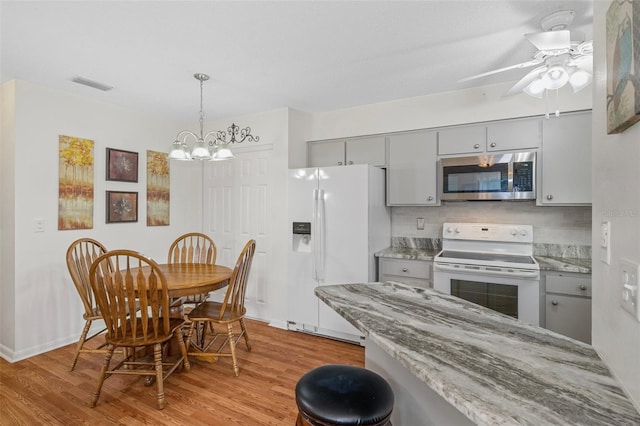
{"x":565,"y":226}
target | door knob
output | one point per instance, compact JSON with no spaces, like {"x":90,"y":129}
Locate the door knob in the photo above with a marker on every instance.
{"x":493,"y":145}
{"x":350,"y":162}
{"x":339,"y":163}
{"x":476,"y":146}
{"x":429,"y":198}
{"x":549,"y":197}
{"x":404,"y":269}
{"x":583,"y":287}
{"x":554,"y":302}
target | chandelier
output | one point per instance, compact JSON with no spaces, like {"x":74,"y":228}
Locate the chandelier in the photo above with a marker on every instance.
{"x":212,"y":146}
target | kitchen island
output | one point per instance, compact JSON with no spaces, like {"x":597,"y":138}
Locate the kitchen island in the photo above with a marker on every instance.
{"x":491,"y":368}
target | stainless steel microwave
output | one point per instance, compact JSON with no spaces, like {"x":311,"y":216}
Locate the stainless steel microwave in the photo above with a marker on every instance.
{"x":505,"y":176}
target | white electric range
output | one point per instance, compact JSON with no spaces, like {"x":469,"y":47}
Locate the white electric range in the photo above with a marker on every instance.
{"x":491,"y":265}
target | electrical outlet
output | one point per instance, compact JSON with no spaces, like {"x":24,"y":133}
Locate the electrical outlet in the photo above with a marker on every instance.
{"x":420,"y":223}
{"x":629,"y":273}
{"x":605,"y":242}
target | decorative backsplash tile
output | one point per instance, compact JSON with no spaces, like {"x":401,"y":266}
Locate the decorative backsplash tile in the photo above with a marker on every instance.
{"x":567,"y":227}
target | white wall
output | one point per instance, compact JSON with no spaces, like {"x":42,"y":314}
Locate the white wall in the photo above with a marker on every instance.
{"x":48,"y":312}
{"x":616,"y":198}
{"x":444,"y":109}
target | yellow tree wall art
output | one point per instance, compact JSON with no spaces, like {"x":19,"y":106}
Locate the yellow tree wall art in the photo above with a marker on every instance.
{"x":158,"y":184}
{"x":75,"y":183}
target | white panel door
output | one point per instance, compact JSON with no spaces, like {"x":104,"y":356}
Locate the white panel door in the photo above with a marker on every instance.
{"x":236,"y":202}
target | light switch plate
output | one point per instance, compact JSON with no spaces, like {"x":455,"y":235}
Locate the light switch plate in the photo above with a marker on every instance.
{"x":420,"y":223}
{"x":605,"y":242}
{"x":629,"y":279}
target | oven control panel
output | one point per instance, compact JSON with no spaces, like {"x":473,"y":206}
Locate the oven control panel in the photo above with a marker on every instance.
{"x":488,"y":232}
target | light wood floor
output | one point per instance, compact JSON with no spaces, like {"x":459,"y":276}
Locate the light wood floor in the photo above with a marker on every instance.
{"x":42,"y":390}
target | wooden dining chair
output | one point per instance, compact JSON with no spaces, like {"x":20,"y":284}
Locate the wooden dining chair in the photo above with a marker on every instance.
{"x":227,"y":312}
{"x":80,"y":255}
{"x":193,"y":247}
{"x":121,"y":281}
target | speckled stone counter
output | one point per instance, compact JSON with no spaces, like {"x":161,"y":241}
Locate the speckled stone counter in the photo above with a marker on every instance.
{"x":547,"y":263}
{"x":564,"y":264}
{"x":492,"y":368}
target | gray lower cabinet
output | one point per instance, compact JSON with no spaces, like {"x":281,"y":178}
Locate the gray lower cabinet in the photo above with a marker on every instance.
{"x":417,"y":273}
{"x":568,"y":304}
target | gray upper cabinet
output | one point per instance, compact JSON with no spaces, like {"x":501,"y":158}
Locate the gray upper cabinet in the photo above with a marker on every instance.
{"x":462,"y":140}
{"x":412,"y":171}
{"x":514,"y":135}
{"x":565,"y":163}
{"x":519,"y":134}
{"x":365,"y":150}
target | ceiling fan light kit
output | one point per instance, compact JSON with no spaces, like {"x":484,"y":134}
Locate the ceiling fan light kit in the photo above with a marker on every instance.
{"x":560,"y":59}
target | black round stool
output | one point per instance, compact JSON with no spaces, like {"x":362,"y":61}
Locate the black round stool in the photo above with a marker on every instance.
{"x":343,"y":395}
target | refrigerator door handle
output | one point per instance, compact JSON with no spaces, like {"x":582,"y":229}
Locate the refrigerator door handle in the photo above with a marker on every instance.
{"x":321,"y":235}
{"x":315,"y":236}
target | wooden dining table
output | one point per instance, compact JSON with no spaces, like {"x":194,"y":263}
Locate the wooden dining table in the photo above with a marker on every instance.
{"x":187,"y":279}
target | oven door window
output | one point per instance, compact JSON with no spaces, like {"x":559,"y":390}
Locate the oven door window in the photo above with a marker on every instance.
{"x":476,"y":178}
{"x":499,"y":297}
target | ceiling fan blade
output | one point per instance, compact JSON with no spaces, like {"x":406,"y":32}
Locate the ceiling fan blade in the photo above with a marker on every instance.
{"x":511,"y":67}
{"x":550,"y":40}
{"x":524,"y":81}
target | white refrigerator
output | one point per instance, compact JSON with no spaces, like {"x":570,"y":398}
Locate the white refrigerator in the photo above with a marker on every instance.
{"x":338,"y":219}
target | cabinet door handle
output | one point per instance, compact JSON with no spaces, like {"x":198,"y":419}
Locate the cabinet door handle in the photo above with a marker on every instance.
{"x":583,"y":287}
{"x":549,"y":197}
{"x":404,"y":269}
{"x":350,"y":162}
{"x":476,"y":146}
{"x":339,"y":163}
{"x":493,"y":145}
{"x":429,"y":198}
{"x":554,"y":302}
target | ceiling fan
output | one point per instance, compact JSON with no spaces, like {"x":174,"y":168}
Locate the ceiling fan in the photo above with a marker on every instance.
{"x":559,"y":59}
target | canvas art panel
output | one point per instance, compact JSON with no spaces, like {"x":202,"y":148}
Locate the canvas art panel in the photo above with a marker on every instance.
{"x":75,"y":183}
{"x":158,"y":184}
{"x":623,"y":65}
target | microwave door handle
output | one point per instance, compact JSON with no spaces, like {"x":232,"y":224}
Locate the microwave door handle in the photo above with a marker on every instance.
{"x":510,"y":177}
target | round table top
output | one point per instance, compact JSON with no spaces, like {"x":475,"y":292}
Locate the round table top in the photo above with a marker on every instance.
{"x":185,"y":279}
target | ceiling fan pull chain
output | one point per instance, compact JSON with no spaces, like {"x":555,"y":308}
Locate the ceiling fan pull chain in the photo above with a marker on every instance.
{"x":546,"y":99}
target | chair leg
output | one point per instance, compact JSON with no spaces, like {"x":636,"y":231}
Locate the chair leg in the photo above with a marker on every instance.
{"x":246,"y":335}
{"x":183,"y":350}
{"x":80,"y":344}
{"x":157,"y":356}
{"x":232,"y":346}
{"x":103,"y":374}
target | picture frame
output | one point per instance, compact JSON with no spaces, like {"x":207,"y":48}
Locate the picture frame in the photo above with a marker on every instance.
{"x":623,"y":63}
{"x":121,"y":206}
{"x":122,"y":165}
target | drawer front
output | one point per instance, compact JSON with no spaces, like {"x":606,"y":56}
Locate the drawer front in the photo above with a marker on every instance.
{"x":414,"y":282}
{"x":405,"y":268}
{"x":569,"y":284}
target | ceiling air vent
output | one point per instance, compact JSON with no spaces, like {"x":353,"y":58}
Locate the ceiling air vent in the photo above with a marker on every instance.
{"x":91,"y":83}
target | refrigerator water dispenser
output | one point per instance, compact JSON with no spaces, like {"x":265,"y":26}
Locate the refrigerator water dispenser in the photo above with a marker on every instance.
{"x":301,"y":237}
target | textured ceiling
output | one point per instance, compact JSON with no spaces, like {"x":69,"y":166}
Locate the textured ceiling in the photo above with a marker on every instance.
{"x":308,"y":55}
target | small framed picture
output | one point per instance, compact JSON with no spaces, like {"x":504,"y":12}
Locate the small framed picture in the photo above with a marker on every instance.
{"x":122,"y":165}
{"x":122,"y":207}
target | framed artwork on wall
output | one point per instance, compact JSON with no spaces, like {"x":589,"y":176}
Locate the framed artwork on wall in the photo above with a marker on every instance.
{"x":121,"y":207}
{"x":122,"y":165}
{"x":623,"y":65}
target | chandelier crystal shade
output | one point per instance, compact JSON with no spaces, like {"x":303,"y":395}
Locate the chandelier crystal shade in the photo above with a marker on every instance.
{"x":212,"y":146}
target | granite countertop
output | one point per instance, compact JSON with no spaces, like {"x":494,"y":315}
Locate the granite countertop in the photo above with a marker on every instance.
{"x":494,"y":369}
{"x":564,"y":264}
{"x":408,"y":253}
{"x":547,"y":263}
